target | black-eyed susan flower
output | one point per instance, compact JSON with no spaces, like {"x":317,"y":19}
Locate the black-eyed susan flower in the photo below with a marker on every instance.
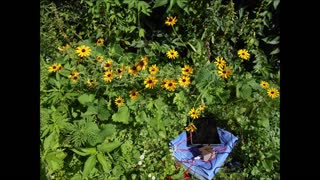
{"x":59,"y":66}
{"x":220,"y":62}
{"x":273,"y":93}
{"x":90,"y":82}
{"x":194,"y":113}
{"x":171,"y":85}
{"x":171,"y":21}
{"x":108,"y":75}
{"x":142,"y":64}
{"x":134,"y":94}
{"x":75,"y":78}
{"x":153,"y":69}
{"x":163,"y":83}
{"x":202,"y":107}
{"x":99,"y":58}
{"x":264,"y":84}
{"x":119,"y":101}
{"x":100,"y":41}
{"x":107,"y":64}
{"x":120,"y":71}
{"x":53,"y":68}
{"x":187,"y":70}
{"x":133,"y":70}
{"x":150,"y":82}
{"x":243,"y":54}
{"x":191,"y":127}
{"x":83,"y":51}
{"x":172,"y":54}
{"x":73,"y":74}
{"x":184,"y":81}
{"x":225,"y":72}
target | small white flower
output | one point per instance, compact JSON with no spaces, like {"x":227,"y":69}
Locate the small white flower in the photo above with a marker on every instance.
{"x":140,"y":163}
{"x":149,"y":175}
{"x":153,"y":178}
{"x":142,"y":157}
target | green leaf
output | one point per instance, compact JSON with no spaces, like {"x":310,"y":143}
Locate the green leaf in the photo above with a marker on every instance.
{"x":80,"y":152}
{"x":182,"y":3}
{"x":105,"y":164}
{"x":55,"y":160}
{"x":122,"y":115}
{"x":76,"y":177}
{"x":159,"y":3}
{"x":172,"y":2}
{"x":91,"y":151}
{"x":141,"y":32}
{"x":86,"y":98}
{"x":108,"y":147}
{"x":264,"y":122}
{"x":246,"y":91}
{"x":89,"y":165}
{"x":103,"y":112}
{"x":276,"y":51}
{"x":276,"y":3}
{"x":267,"y":164}
{"x":51,"y":142}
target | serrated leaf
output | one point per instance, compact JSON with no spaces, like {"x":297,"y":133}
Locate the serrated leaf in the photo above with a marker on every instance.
{"x":122,"y":115}
{"x":89,"y":165}
{"x":159,"y":3}
{"x":55,"y":160}
{"x":246,"y":91}
{"x":103,"y":112}
{"x":51,"y":142}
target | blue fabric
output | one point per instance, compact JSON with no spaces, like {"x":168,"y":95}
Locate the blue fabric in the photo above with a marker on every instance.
{"x":200,"y":169}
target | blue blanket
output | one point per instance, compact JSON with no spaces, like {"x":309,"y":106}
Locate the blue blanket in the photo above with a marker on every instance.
{"x":203,"y":170}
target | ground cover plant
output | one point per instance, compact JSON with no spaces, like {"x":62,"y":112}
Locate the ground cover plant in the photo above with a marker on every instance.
{"x":119,"y":79}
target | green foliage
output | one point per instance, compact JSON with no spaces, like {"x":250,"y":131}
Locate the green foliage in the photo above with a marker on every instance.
{"x":84,"y":133}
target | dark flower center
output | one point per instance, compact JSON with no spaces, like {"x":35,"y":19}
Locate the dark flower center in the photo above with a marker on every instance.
{"x":54,"y":67}
{"x":109,"y":75}
{"x":75,"y":78}
{"x":60,"y":67}
{"x":187,"y":70}
{"x":272,"y":92}
{"x":172,"y":53}
{"x":134,"y":68}
{"x":99,"y":41}
{"x":170,"y":84}
{"x":83,"y":50}
{"x":91,"y":81}
{"x":183,"y":80}
{"x":224,"y":72}
{"x":119,"y":101}
{"x":108,"y":65}
{"x":243,"y":54}
{"x":150,"y":81}
{"x":119,"y":70}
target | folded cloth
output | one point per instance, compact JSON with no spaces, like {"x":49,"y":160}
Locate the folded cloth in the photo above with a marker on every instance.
{"x":203,"y":170}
